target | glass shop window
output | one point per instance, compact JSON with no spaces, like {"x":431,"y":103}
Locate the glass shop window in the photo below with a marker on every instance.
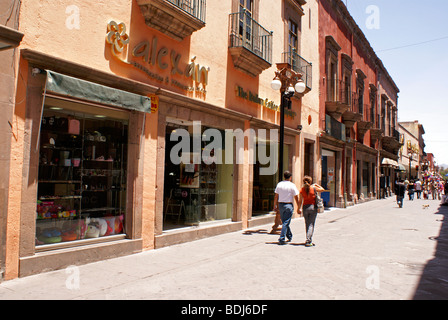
{"x":82,"y":174}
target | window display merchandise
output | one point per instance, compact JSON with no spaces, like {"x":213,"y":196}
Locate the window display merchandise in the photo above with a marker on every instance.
{"x":82,"y":176}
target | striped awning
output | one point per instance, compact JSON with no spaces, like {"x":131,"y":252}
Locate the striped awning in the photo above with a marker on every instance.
{"x":389,"y":162}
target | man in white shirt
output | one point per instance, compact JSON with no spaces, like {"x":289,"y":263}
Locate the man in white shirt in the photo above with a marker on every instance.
{"x":285,"y":193}
{"x":418,"y":188}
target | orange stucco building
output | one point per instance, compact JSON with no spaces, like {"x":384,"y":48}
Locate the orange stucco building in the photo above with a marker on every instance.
{"x":103,"y":95}
{"x":140,"y":124}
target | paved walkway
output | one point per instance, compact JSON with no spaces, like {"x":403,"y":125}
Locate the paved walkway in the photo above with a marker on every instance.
{"x":371,"y":251}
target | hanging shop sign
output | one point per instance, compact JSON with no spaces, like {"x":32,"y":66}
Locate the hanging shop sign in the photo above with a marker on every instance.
{"x":412,"y":148}
{"x":148,"y":55}
{"x":266,"y":103}
{"x":154,"y":102}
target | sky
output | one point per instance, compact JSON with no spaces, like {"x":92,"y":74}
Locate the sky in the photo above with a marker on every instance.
{"x":411,"y":39}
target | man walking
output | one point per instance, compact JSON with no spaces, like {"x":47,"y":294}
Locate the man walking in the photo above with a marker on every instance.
{"x":285,"y":192}
{"x":382,"y":186}
{"x":400,"y":190}
{"x":418,"y":188}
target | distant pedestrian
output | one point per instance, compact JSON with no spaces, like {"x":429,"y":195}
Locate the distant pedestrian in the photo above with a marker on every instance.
{"x":418,"y":188}
{"x":411,"y":188}
{"x":382,"y":186}
{"x":285,"y":193}
{"x":400,"y":190}
{"x":425,"y":192}
{"x":432,"y":185}
{"x":307,"y":198}
{"x":440,"y":190}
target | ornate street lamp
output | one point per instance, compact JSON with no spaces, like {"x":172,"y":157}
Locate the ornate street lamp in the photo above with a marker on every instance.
{"x":288,"y":82}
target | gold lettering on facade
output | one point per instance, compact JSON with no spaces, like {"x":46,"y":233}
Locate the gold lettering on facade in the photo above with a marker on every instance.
{"x":196,"y":72}
{"x":162,"y":53}
{"x":249,"y":96}
{"x":175,"y":58}
{"x":162,"y":58}
{"x":142,"y":50}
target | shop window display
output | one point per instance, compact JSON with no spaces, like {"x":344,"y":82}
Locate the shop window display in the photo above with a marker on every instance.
{"x":195,"y":193}
{"x":82,"y":176}
{"x":264,"y":185}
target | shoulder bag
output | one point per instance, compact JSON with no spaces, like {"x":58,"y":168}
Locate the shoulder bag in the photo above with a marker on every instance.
{"x":319,"y":203}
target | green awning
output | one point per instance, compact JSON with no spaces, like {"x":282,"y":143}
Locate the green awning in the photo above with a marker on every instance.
{"x":85,"y":90}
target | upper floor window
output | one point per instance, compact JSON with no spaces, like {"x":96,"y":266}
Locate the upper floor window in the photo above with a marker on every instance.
{"x":247,"y":5}
{"x":293,"y":37}
{"x":246,"y":11}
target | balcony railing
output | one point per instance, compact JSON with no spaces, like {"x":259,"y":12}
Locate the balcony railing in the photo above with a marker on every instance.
{"x":247,"y":33}
{"x":396,"y":134}
{"x":196,"y":8}
{"x":339,"y":91}
{"x":300,"y":65}
{"x":334,"y":128}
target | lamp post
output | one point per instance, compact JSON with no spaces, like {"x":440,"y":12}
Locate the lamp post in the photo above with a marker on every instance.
{"x":288,"y":82}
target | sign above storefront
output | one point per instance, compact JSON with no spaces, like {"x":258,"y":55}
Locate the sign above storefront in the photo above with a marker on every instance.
{"x":266,"y":103}
{"x":148,"y":54}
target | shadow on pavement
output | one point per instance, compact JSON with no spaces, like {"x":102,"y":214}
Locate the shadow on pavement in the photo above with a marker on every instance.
{"x":433,"y":283}
{"x":259,"y":231}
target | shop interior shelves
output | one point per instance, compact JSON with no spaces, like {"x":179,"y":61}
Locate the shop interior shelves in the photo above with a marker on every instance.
{"x":82,"y":177}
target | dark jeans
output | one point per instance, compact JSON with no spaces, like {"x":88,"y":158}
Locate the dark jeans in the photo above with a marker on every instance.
{"x":400,"y":201}
{"x":286,"y":211}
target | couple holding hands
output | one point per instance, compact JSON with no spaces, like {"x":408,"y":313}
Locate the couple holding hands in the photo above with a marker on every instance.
{"x":285,"y":193}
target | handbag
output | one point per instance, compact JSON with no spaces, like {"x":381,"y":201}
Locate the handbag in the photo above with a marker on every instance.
{"x":319,"y":203}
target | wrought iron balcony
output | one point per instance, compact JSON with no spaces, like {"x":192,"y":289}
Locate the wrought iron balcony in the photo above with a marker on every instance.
{"x":300,"y":65}
{"x":175,"y":18}
{"x":392,"y":142}
{"x":250,"y":44}
{"x":376,"y":131}
{"x":196,"y":8}
{"x":334,"y":128}
{"x":338,"y":97}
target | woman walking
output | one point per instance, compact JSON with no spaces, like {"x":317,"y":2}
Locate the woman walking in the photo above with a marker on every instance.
{"x":411,"y":188}
{"x":307,"y":198}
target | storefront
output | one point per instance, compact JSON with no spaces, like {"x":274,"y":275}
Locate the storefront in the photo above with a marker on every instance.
{"x":329,"y":177}
{"x":81,"y":192}
{"x":196,"y":191}
{"x":366,"y":168}
{"x":264,"y":183}
{"x":83,"y":147}
{"x":388,"y":174}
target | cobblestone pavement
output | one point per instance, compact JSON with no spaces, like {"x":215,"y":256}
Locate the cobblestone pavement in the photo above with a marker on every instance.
{"x":370,"y":251}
